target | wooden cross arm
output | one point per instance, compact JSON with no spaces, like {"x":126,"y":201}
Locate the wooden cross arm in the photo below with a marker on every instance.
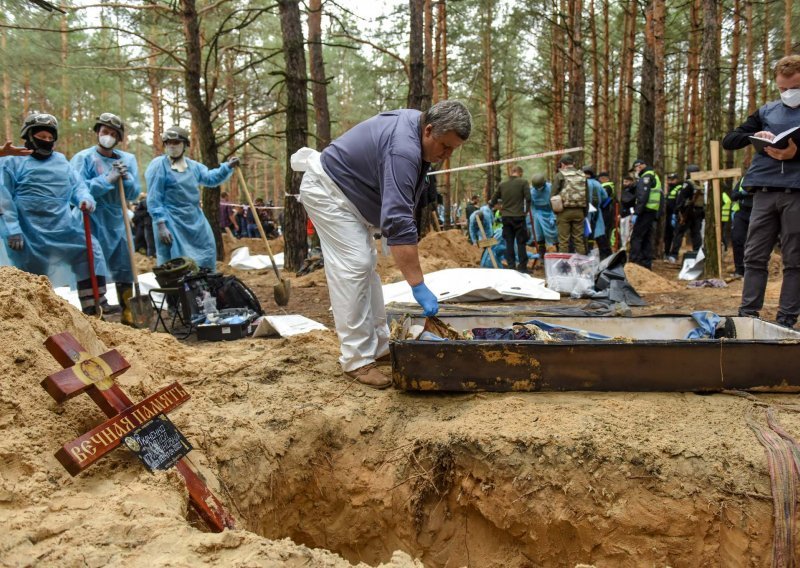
{"x":96,"y":372}
{"x":717,"y":174}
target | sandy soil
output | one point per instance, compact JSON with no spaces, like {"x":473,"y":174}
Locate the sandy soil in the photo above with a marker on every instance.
{"x":320,"y":471}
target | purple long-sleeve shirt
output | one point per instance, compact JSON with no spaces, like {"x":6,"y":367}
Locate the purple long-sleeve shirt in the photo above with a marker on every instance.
{"x":378,"y":165}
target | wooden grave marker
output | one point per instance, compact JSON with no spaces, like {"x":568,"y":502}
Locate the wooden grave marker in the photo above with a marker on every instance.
{"x":715,"y":174}
{"x":95,"y":376}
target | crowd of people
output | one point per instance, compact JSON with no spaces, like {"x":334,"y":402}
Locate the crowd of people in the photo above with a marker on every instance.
{"x":45,"y":201}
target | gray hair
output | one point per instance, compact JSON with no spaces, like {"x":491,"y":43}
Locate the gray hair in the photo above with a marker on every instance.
{"x":447,"y":116}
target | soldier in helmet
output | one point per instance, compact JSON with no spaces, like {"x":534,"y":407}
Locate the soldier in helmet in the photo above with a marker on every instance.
{"x":37,"y":192}
{"x":173,"y":200}
{"x":102,"y":167}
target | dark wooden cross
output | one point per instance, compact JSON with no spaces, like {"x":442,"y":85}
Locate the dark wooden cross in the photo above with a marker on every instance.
{"x":95,"y":376}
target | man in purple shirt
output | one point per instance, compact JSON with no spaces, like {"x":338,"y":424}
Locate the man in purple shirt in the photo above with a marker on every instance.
{"x":369,"y":181}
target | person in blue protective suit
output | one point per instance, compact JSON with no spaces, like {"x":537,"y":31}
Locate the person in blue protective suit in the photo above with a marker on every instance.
{"x":173,"y":200}
{"x":486,"y":215}
{"x":544,"y":227}
{"x":599,"y":199}
{"x":44,"y":235}
{"x":102,"y":167}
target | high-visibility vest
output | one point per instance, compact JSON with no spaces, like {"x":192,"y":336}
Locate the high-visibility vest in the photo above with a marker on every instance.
{"x":654,"y":199}
{"x":673,"y":194}
{"x":609,"y":187}
{"x":726,"y":207}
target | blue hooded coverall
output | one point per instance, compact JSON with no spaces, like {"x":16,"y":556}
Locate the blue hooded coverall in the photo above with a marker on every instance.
{"x":107,"y":221}
{"x":38,"y":194}
{"x":174,"y":198}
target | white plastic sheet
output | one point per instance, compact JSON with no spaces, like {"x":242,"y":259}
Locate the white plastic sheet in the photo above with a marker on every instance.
{"x":286,"y":326}
{"x":474,"y":285}
{"x":693,"y":268}
{"x":147,"y":282}
{"x":242,"y":260}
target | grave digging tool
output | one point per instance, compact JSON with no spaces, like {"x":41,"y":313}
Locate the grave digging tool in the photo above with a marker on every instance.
{"x":283,"y":288}
{"x":87,"y":230}
{"x":140,"y":306}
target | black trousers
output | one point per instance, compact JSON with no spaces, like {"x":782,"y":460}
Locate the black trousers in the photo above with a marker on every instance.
{"x":644,"y":232}
{"x":515,"y":231}
{"x":693,"y":224}
{"x":741,"y":222}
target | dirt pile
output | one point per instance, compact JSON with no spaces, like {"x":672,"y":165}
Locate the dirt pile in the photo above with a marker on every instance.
{"x":647,"y":282}
{"x":115,"y":513}
{"x":144,"y":263}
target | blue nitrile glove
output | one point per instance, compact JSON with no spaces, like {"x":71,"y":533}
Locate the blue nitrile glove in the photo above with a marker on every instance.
{"x":426,"y":299}
{"x":633,"y":219}
{"x":674,"y":221}
{"x":233,"y":162}
{"x":15,"y":242}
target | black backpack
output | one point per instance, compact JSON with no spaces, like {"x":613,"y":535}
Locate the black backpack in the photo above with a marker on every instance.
{"x":233,"y":293}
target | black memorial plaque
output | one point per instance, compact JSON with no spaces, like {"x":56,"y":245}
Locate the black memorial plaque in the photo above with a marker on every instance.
{"x":158,"y":443}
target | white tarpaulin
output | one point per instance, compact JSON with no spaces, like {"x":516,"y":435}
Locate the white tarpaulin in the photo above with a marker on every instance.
{"x":286,"y":326}
{"x":474,"y":285}
{"x":241,"y":259}
{"x":147,"y":282}
{"x":693,"y":268}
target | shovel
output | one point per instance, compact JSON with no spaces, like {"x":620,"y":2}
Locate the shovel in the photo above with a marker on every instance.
{"x":87,"y":229}
{"x":140,"y":306}
{"x":280,"y":291}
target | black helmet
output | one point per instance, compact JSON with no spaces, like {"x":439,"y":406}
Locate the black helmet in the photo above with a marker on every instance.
{"x":112,"y":121}
{"x":176,"y":133}
{"x":637,"y":162}
{"x":39,"y":121}
{"x":691,"y":168}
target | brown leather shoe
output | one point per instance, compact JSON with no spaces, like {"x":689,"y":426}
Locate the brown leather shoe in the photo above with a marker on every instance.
{"x":370,"y":376}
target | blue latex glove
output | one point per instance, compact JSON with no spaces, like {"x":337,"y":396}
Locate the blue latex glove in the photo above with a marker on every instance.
{"x":163,"y":234}
{"x":113,"y":176}
{"x":633,"y":219}
{"x":674,"y":221}
{"x":16,"y":242}
{"x":233,"y":162}
{"x":426,"y":299}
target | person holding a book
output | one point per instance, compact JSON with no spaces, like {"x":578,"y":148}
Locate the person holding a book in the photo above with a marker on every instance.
{"x":774,"y":179}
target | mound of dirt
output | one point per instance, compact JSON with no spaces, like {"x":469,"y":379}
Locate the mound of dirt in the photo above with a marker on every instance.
{"x":647,"y":282}
{"x":144,"y":263}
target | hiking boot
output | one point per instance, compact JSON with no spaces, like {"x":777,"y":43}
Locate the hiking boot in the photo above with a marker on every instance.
{"x":370,"y":376}
{"x":108,"y":309}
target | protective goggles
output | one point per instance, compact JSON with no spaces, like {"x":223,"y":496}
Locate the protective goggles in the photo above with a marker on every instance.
{"x":111,"y":119}
{"x":42,"y":119}
{"x":172,"y":135}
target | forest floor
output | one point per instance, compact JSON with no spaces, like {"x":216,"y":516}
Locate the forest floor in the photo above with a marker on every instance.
{"x":320,"y":471}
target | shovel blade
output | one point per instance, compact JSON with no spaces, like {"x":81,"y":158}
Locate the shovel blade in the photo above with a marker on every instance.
{"x":281,"y":292}
{"x":141,"y":311}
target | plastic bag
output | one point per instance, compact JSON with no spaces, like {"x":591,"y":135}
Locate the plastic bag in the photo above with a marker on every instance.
{"x":572,"y":274}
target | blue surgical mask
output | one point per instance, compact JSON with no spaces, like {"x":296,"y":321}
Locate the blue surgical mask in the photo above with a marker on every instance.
{"x":791,"y":97}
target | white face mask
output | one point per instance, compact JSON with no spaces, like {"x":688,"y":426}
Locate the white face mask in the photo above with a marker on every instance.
{"x":107,"y":141}
{"x":174,"y":151}
{"x":791,"y":97}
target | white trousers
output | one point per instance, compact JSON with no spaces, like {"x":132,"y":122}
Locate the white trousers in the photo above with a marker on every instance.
{"x":348,"y":248}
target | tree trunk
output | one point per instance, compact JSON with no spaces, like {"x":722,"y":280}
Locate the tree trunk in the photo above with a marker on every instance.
{"x":787,"y":27}
{"x":65,"y":91}
{"x":319,"y":83}
{"x":416,"y":88}
{"x":596,"y":80}
{"x":647,"y":107}
{"x":203,"y":129}
{"x":711,"y":101}
{"x":734,"y":82}
{"x":444,"y":93}
{"x":427,"y":75}
{"x":694,"y":74}
{"x":626,"y":89}
{"x":230,"y":88}
{"x":660,"y":109}
{"x":296,"y":131}
{"x":6,"y":91}
{"x":609,"y":71}
{"x":488,"y":90}
{"x":557,"y":73}
{"x":577,"y":99}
